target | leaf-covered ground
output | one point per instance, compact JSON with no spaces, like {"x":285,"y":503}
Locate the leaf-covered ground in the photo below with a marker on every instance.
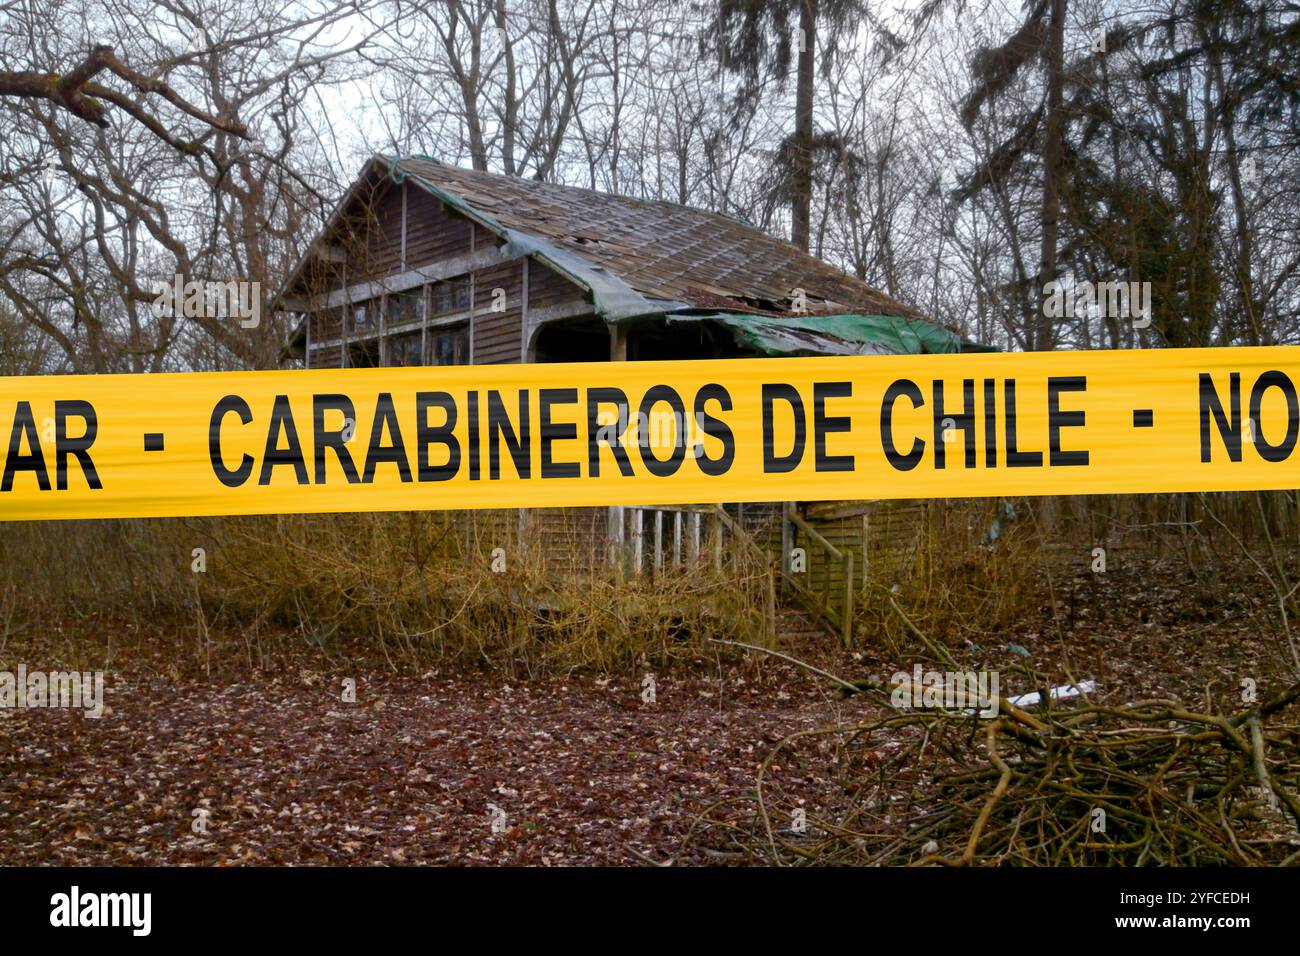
{"x":571,"y":770}
{"x":574,"y":771}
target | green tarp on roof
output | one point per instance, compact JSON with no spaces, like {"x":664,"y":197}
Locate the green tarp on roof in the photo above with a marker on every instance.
{"x":832,"y":334}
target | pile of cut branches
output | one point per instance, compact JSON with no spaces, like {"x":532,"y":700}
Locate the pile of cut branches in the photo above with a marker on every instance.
{"x":1146,"y":783}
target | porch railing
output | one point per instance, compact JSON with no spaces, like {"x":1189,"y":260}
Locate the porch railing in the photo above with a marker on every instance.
{"x":655,"y":539}
{"x":824,"y":564}
{"x":649,"y":540}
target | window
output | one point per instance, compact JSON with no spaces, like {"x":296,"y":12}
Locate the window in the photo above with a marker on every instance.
{"x":450,"y":296}
{"x":404,"y":307}
{"x":363,"y":315}
{"x":404,"y":349}
{"x":449,"y":345}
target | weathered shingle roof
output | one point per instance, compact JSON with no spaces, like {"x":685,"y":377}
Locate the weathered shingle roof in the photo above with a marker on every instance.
{"x":662,"y":250}
{"x":641,"y":258}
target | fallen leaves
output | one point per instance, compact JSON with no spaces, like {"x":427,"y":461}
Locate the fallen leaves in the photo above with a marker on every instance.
{"x":583,"y":771}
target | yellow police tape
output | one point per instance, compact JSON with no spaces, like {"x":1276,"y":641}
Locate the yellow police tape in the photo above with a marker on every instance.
{"x":649,"y":433}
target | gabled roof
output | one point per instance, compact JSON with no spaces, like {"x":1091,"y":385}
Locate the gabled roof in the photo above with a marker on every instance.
{"x":662,"y":250}
{"x":642,"y":257}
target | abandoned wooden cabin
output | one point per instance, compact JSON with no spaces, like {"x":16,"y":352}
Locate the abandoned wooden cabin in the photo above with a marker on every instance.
{"x":428,"y":264}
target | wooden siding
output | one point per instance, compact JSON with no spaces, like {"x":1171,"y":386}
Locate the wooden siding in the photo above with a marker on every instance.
{"x":881,"y":534}
{"x":373,"y":245}
{"x":328,"y":357}
{"x":566,"y":540}
{"x":498,"y":336}
{"x":433,"y":232}
{"x":548,"y":289}
{"x":436,"y":234}
{"x":570,"y":540}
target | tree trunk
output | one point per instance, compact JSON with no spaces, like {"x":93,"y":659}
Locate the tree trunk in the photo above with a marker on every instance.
{"x":1053,"y":155}
{"x":801,"y":207}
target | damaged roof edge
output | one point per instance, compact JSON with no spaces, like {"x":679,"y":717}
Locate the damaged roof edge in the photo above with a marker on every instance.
{"x":836,"y":334}
{"x":612,"y":298}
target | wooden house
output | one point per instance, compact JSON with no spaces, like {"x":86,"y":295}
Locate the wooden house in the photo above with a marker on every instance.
{"x":428,"y":264}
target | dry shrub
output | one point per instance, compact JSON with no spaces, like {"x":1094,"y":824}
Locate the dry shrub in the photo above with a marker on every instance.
{"x":408,"y":590}
{"x":974,"y":568}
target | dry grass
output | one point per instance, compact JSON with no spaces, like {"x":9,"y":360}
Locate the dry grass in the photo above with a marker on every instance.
{"x":410,"y":590}
{"x":404,"y":590}
{"x":953,"y":581}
